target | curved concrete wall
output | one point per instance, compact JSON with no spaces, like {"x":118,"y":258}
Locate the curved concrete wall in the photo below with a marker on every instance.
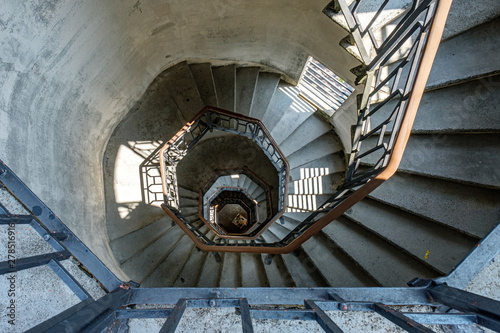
{"x":71,"y":70}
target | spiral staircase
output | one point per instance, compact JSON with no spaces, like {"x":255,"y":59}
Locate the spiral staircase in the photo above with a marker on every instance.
{"x":422,"y":222}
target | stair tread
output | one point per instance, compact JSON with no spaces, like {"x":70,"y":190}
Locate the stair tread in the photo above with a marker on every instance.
{"x":210,"y":272}
{"x":267,"y":84}
{"x":333,"y":264}
{"x":246,"y":82}
{"x":439,"y":246}
{"x":308,"y":131}
{"x":470,"y":209}
{"x":166,"y":272}
{"x":475,"y":112}
{"x":202,"y":74}
{"x":456,"y":58}
{"x":295,"y":117}
{"x":325,"y":145}
{"x":225,"y":83}
{"x":193,"y":267}
{"x":277,"y":273}
{"x":297,"y":266}
{"x":281,"y":102}
{"x":125,"y":247}
{"x":384,"y":262}
{"x":138,"y":267}
{"x":253,"y":273}
{"x":183,"y":89}
{"x":472,"y":159}
{"x":328,"y":164}
{"x":231,"y":270}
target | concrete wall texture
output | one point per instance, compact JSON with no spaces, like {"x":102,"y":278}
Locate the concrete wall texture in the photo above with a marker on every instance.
{"x":71,"y":70}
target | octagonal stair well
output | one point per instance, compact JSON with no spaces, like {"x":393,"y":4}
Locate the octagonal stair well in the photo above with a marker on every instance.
{"x":443,"y":199}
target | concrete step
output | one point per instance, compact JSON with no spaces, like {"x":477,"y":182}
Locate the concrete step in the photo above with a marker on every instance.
{"x":184,"y":203}
{"x":334,"y":265}
{"x":141,"y":265}
{"x":302,"y":270}
{"x":257,"y":191}
{"x":225,"y":85}
{"x":202,"y":75}
{"x":471,"y":159}
{"x":474,"y":111}
{"x":183,"y":89}
{"x":294,"y":118}
{"x":457,"y":57}
{"x":253,"y":273}
{"x":189,"y":211}
{"x":472,"y":210}
{"x":277,"y":273}
{"x":280,"y":103}
{"x":442,"y":248}
{"x":316,"y":184}
{"x":190,"y":273}
{"x":210,"y":272}
{"x":267,"y":84}
{"x":329,"y":164}
{"x":309,"y":130}
{"x":379,"y":258}
{"x":231,"y":270}
{"x":127,"y":246}
{"x":325,"y":145}
{"x":463,"y":17}
{"x":167,"y":271}
{"x":246,"y":82}
{"x":441,"y":112}
{"x":188,"y":194}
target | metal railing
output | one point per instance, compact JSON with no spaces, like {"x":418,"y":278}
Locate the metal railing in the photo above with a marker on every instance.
{"x":256,"y":229}
{"x":125,"y":301}
{"x":394,"y":74}
{"x":209,"y":119}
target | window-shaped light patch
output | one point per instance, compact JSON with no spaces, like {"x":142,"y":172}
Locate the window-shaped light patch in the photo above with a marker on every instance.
{"x":313,"y":182}
{"x":323,"y":88}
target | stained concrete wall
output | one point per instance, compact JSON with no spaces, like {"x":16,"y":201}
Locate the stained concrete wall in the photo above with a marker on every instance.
{"x":71,"y":70}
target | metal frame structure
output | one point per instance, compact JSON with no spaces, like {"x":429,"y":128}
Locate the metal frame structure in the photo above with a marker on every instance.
{"x":394,"y":73}
{"x":254,"y":179}
{"x":447,"y":305}
{"x":209,"y":119}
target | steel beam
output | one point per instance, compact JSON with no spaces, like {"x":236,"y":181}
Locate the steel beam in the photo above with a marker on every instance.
{"x":51,"y":222}
{"x":322,"y":318}
{"x":175,"y":317}
{"x":246,"y":317}
{"x":87,"y":315}
{"x":69,"y":280}
{"x":285,"y":296}
{"x":30,"y":262}
{"x":400,"y":319}
{"x":487,"y":309}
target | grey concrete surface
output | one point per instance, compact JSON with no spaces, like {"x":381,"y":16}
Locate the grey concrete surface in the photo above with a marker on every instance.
{"x":202,"y":74}
{"x":244,"y":152}
{"x":440,"y":247}
{"x":474,"y":211}
{"x":246,"y":81}
{"x":225,"y":86}
{"x":466,"y":158}
{"x":267,"y":84}
{"x":71,"y":71}
{"x":465,"y":15}
{"x":456,"y":57}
